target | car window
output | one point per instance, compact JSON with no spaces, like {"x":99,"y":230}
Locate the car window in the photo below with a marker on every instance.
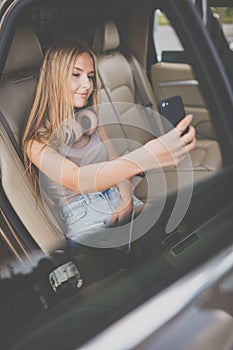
{"x":225,"y":17}
{"x":173,"y":74}
{"x":165,"y":38}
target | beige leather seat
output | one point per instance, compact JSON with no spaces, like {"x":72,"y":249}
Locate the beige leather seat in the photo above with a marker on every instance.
{"x":16,"y":94}
{"x":117,"y":77}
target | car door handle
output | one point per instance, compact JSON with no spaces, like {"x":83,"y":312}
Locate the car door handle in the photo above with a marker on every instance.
{"x":191,"y":82}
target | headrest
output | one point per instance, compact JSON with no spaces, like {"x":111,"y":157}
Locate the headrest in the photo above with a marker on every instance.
{"x":106,"y":37}
{"x":25,"y":51}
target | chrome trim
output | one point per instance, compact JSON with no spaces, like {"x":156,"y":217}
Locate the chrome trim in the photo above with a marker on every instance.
{"x":142,"y":322}
{"x":191,"y":82}
{"x":2,"y":3}
{"x":6,"y":14}
{"x":18,"y":246}
{"x":10,"y":246}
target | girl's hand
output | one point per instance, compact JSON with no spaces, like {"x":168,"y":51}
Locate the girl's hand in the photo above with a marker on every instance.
{"x":122,"y":214}
{"x":171,"y":148}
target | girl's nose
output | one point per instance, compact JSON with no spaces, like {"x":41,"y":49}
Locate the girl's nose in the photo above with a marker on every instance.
{"x":85,"y":82}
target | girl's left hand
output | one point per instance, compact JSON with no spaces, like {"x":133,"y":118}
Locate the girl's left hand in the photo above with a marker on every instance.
{"x":122,"y":214}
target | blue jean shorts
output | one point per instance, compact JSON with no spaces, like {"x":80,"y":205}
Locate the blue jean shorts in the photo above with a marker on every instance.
{"x":91,"y":213}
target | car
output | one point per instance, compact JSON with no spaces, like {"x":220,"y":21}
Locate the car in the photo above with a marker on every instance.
{"x":167,"y":282}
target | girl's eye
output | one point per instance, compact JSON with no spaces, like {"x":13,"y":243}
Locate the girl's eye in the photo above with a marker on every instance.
{"x":77,"y":75}
{"x":91,"y":77}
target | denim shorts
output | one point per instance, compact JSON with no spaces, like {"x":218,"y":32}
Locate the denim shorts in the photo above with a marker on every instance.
{"x":91,"y":213}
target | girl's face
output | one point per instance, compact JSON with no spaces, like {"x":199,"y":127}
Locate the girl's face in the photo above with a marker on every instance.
{"x":82,"y":80}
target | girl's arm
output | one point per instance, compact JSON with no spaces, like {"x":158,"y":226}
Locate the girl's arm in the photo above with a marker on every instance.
{"x":86,"y":179}
{"x":167,"y":150}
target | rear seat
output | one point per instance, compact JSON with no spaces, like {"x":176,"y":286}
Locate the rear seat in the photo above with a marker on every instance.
{"x":117,"y":77}
{"x":16,"y":93}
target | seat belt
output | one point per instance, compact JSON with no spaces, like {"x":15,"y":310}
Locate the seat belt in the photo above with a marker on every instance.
{"x":146,"y":95}
{"x":140,"y":84}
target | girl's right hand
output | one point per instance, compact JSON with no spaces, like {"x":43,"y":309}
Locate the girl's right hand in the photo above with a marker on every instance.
{"x":171,"y":148}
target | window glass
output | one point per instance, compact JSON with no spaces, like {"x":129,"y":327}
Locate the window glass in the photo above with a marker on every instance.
{"x":225,"y":18}
{"x":165,"y":37}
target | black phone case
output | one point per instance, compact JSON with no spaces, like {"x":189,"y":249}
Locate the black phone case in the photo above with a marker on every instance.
{"x":172,"y":109}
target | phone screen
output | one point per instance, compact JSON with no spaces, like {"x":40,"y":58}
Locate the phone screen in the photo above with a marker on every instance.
{"x":172,"y":109}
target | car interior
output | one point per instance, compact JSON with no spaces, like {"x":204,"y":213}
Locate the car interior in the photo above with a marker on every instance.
{"x":120,"y":91}
{"x":132,"y":80}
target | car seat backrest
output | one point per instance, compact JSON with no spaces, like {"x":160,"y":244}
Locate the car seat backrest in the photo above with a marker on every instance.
{"x":125,"y":84}
{"x":108,"y":117}
{"x":16,"y":96}
{"x":19,"y":79}
{"x":118,"y":81}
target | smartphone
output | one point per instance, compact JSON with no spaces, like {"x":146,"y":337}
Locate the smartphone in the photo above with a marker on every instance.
{"x":172,"y":109}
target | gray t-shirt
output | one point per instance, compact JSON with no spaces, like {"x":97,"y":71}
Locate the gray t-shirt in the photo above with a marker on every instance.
{"x":94,"y":152}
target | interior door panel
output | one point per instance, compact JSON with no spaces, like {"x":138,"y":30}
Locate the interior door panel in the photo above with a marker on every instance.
{"x":169,"y":79}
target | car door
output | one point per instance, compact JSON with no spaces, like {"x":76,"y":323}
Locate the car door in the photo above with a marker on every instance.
{"x":172,"y":75}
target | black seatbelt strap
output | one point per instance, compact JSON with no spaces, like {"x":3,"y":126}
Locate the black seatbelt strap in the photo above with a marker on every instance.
{"x":139,"y":83}
{"x":147,"y":99}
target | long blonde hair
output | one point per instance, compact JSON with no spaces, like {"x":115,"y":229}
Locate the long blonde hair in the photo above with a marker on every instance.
{"x":53,"y":102}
